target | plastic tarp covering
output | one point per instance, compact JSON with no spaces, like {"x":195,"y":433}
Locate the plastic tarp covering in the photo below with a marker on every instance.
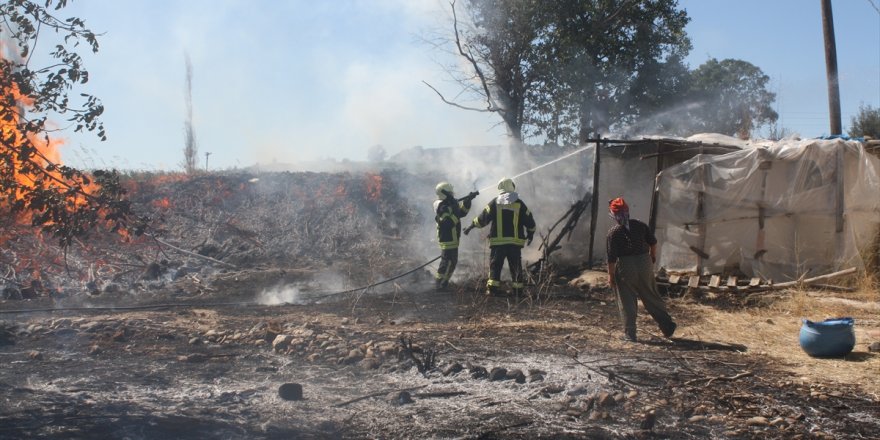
{"x":625,"y":175}
{"x":777,"y":212}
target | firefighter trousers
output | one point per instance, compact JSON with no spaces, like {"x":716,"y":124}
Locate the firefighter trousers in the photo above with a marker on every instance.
{"x":448,"y":261}
{"x":513,"y":255}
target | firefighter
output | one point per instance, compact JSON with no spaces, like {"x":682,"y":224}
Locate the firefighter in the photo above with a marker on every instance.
{"x":448,"y":213}
{"x":511,"y":227}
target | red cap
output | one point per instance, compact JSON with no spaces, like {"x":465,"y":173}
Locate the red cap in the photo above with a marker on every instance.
{"x":618,"y":205}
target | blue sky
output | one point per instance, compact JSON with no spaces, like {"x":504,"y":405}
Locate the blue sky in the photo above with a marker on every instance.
{"x":295,"y":80}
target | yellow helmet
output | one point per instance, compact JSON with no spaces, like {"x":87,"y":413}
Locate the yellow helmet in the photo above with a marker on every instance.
{"x":442,"y":188}
{"x":506,"y":185}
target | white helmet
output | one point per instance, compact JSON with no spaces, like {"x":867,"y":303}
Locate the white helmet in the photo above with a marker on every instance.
{"x":442,"y":188}
{"x":506,"y":185}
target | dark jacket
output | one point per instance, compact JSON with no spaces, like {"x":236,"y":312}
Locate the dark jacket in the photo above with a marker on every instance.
{"x":448,"y":213}
{"x":510,"y":219}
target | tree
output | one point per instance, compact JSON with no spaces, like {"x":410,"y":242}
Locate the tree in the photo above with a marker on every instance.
{"x":497,"y":40}
{"x":60,"y":199}
{"x":729,"y":97}
{"x":866,"y":123}
{"x":571,"y":69}
{"x":190,"y":149}
{"x":613,"y":63}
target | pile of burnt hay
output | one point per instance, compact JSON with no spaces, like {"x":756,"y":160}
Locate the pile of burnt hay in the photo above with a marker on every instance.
{"x":226,"y":221}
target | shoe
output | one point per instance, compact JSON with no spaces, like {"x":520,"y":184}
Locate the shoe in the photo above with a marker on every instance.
{"x":669,"y":330}
{"x":628,"y":338}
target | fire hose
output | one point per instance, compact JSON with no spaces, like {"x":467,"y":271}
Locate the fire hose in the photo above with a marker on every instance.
{"x":188,"y":305}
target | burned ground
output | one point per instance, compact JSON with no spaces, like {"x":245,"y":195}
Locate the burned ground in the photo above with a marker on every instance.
{"x":395,"y":361}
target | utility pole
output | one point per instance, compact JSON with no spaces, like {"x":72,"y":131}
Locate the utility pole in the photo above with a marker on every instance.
{"x":831,"y":68}
{"x":207,"y":155}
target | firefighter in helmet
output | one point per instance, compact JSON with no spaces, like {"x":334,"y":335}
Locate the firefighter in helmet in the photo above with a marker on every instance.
{"x":448,"y":212}
{"x":511,"y":227}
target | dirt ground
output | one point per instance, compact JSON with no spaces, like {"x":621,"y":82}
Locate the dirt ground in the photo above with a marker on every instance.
{"x":408,"y":362}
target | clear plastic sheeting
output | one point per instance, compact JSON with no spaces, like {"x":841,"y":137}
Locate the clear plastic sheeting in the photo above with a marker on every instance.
{"x":777,"y":211}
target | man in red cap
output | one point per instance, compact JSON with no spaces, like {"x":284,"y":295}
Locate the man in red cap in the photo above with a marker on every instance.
{"x":632,"y":248}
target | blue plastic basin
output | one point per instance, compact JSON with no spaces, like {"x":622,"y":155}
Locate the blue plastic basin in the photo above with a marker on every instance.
{"x":829,"y":338}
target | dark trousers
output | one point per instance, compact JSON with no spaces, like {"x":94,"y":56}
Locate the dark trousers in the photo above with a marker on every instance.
{"x":635,"y":281}
{"x":448,"y":261}
{"x":497,"y":255}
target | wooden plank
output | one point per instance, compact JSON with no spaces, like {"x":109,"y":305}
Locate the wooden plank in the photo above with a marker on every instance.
{"x":694,"y":281}
{"x":754,"y":282}
{"x":674,"y":278}
{"x":731,"y":282}
{"x":715,"y":280}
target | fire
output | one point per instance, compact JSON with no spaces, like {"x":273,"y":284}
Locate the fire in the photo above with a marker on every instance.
{"x":47,"y":155}
{"x":374,"y":186}
{"x":162,"y":204}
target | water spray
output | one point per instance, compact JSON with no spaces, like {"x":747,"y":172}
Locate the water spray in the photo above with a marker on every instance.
{"x":579,"y":150}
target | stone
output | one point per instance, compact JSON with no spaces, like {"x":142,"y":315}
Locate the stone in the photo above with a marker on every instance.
{"x":874,"y":347}
{"x":578,"y":390}
{"x":194,"y":358}
{"x":194,"y":341}
{"x":353,"y":356}
{"x":313,"y":357}
{"x":696,"y":419}
{"x":478,"y":372}
{"x":757,"y":421}
{"x":290,"y":391}
{"x":516,"y":375}
{"x":35,"y":355}
{"x":632,"y":394}
{"x":537,"y":377}
{"x":452,"y":369}
{"x":94,"y":350}
{"x":497,"y":373}
{"x":281,"y":342}
{"x":370,"y":363}
{"x":605,"y":400}
{"x":400,"y":398}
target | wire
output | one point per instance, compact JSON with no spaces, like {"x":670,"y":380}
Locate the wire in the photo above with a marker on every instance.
{"x":186,"y":305}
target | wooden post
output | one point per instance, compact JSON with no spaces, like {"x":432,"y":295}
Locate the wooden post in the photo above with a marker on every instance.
{"x":701,"y":214}
{"x":594,"y":210}
{"x":831,"y":68}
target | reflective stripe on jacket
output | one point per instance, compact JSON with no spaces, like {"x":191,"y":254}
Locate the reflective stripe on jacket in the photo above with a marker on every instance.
{"x":509,"y":223}
{"x":448,"y":214}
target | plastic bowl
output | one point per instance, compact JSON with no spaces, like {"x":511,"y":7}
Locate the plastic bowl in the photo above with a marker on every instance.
{"x":829,"y":338}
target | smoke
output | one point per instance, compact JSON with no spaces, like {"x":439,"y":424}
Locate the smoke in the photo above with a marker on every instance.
{"x":279,"y":295}
{"x":548,"y":179}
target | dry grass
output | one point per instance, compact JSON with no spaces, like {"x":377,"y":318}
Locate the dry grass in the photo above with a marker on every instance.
{"x":771,"y":328}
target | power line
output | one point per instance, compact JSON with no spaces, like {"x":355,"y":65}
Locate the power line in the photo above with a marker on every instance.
{"x":874,"y":5}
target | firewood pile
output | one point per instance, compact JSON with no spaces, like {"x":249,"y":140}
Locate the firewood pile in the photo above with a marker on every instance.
{"x":219,"y":223}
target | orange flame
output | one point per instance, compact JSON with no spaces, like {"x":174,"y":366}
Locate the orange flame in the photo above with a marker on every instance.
{"x":47,"y":153}
{"x":374,"y":186}
{"x":162,"y":204}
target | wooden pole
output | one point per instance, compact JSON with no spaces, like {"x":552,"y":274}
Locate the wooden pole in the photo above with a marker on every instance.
{"x":594,"y":210}
{"x":831,"y":68}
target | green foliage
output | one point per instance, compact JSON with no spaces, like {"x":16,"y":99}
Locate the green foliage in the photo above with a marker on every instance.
{"x":866,"y":123}
{"x":615,"y":62}
{"x":62,"y":200}
{"x":571,"y":70}
{"x":728,"y":97}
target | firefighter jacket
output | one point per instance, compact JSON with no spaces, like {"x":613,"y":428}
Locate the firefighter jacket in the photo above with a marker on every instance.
{"x":448,"y":213}
{"x":509,"y":219}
